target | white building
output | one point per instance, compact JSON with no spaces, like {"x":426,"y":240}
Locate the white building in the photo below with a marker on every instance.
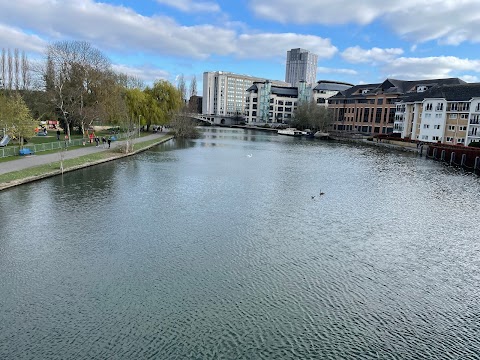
{"x":271,"y":103}
{"x":448,"y":114}
{"x":326,"y":89}
{"x":224,"y":93}
{"x":301,"y":66}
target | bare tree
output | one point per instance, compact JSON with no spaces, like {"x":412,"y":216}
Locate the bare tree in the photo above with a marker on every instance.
{"x":25,"y":72}
{"x":16,"y":61}
{"x":182,"y":87}
{"x":193,"y":86}
{"x":129,"y":81}
{"x":9,"y":69}
{"x":78,"y":71}
{"x":3,"y":68}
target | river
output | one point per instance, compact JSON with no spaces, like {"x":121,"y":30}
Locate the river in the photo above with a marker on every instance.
{"x":215,"y":249}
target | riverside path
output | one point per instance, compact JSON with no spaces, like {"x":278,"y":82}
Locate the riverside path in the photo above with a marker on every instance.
{"x":35,"y":160}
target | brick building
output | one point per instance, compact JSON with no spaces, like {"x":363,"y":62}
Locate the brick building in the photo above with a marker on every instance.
{"x":371,"y":108}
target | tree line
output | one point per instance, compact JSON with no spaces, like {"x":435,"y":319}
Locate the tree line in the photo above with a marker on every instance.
{"x":76,"y":85}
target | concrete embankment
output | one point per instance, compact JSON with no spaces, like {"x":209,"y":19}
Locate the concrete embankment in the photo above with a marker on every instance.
{"x":39,"y":167}
{"x":388,"y":144}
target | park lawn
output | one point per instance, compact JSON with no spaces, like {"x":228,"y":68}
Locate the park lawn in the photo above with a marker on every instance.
{"x":55,"y":166}
{"x":11,"y":158}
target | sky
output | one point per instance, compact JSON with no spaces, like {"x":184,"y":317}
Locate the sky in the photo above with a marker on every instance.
{"x":357,"y":41}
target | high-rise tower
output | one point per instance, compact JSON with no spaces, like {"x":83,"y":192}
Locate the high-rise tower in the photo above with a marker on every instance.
{"x":301,"y":66}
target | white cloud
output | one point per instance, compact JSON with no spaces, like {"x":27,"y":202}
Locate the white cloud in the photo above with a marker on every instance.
{"x":470,"y":78}
{"x":448,"y":21}
{"x":430,"y":67}
{"x":120,"y":29}
{"x":390,"y":64}
{"x":14,"y":38}
{"x":325,"y":70}
{"x":320,"y":11}
{"x":374,"y":55}
{"x":191,"y":6}
{"x":146,"y":73}
{"x":276,"y":45}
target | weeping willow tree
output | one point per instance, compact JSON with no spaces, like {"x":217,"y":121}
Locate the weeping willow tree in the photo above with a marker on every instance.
{"x":15,"y":118}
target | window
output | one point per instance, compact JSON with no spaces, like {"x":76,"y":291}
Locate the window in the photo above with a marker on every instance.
{"x":378,"y":115}
{"x":426,"y":126}
{"x":460,"y":141}
{"x":439,"y":107}
{"x":462,"y":128}
{"x":428,"y":106}
{"x":437,"y":127}
{"x":451,"y":127}
{"x":452,"y":116}
{"x":438,"y":116}
{"x":463,"y":116}
{"x":424,"y":137}
{"x":448,"y":139}
{"x":435,"y":138}
{"x":366,"y":114}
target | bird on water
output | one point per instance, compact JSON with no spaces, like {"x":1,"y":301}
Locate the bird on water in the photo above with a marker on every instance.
{"x":322,"y":193}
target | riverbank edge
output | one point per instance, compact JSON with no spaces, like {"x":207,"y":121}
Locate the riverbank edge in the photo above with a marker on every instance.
{"x":49,"y":174}
{"x":386,"y":144}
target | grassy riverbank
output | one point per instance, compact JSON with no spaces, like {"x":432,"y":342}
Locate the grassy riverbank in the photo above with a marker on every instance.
{"x":54,"y":168}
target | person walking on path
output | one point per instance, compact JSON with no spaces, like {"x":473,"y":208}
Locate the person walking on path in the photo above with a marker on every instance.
{"x":109,"y":141}
{"x":104,"y":142}
{"x":58,"y":135}
{"x":97,"y":140}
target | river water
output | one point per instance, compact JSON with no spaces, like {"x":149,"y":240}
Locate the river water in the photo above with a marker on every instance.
{"x":215,"y":249}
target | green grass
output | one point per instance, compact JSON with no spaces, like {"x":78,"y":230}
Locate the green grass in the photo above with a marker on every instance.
{"x":42,"y":170}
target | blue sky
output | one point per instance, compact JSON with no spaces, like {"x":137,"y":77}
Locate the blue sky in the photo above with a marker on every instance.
{"x":358,"y":41}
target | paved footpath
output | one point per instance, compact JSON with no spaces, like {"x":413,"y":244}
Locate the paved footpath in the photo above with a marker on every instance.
{"x":25,"y":162}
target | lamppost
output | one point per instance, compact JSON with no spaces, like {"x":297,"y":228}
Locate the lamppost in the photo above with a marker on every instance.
{"x":139,"y":116}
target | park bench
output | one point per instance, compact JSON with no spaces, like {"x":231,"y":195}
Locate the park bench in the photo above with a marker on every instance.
{"x":26,"y":151}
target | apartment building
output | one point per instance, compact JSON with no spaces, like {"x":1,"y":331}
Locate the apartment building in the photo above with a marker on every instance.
{"x":371,"y":108}
{"x":224,"y":93}
{"x":325,"y":89}
{"x":448,"y":114}
{"x":301,"y":65}
{"x":270,"y":103}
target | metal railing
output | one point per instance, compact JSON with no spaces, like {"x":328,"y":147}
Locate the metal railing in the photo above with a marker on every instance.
{"x":8,"y":151}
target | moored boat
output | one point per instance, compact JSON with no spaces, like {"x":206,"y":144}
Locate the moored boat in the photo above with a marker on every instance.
{"x":321,"y":135}
{"x":290,"y":132}
{"x":308,"y":133}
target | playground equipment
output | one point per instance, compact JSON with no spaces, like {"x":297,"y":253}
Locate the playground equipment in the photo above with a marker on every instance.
{"x":5,"y":140}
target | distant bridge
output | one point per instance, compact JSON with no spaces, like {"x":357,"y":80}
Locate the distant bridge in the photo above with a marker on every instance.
{"x":213,"y":119}
{"x":200,"y":117}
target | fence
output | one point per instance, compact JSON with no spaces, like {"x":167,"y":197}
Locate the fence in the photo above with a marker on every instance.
{"x":35,"y":148}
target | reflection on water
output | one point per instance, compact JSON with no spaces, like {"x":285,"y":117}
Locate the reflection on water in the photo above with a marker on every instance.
{"x":195,"y":250}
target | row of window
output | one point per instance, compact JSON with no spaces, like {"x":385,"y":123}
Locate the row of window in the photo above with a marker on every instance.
{"x":450,"y":127}
{"x":447,"y":139}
